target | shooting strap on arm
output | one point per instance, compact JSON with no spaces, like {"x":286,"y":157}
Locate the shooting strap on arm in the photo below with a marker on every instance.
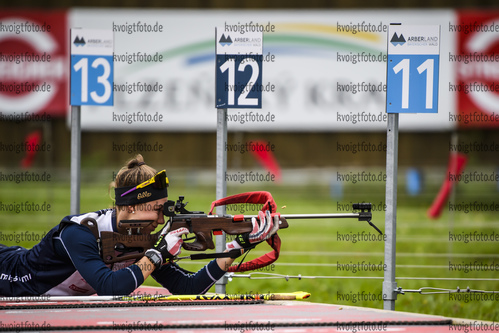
{"x":259,"y":197}
{"x":262,"y":261}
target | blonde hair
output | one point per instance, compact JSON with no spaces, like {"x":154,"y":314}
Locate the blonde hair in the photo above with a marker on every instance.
{"x":134,"y":172}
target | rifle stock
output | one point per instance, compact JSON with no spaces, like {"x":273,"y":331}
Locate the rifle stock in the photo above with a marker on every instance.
{"x":120,"y":247}
{"x":117,"y":247}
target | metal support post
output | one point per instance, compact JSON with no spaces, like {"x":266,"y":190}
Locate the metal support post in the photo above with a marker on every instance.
{"x":221,"y":187}
{"x":75,"y":158}
{"x":389,"y":284}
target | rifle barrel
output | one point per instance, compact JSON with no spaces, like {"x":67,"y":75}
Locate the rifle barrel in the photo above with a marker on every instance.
{"x":361,"y":216}
{"x":315,"y":216}
{"x":320,"y":216}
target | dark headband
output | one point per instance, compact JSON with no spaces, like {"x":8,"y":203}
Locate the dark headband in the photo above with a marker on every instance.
{"x":146,"y":194}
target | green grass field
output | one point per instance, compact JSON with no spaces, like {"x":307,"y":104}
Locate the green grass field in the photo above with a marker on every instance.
{"x":321,"y":248}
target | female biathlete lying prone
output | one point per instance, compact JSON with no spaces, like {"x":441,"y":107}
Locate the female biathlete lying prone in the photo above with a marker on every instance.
{"x":67,"y":260}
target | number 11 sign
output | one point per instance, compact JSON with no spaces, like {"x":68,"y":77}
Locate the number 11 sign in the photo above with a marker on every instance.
{"x":412,"y":69}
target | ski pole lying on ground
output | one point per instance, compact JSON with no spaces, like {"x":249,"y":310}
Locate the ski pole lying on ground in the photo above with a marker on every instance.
{"x":298,"y":295}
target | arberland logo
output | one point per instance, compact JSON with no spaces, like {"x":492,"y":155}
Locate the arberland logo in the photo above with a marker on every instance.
{"x":397,"y":40}
{"x":225,"y":40}
{"x":79,"y":41}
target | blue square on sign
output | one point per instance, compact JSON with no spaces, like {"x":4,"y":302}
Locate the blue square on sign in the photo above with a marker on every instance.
{"x":92,"y":80}
{"x":412,"y":84}
{"x":238,"y":81}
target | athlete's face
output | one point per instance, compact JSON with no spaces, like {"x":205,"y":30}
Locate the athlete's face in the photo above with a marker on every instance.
{"x":152,"y":210}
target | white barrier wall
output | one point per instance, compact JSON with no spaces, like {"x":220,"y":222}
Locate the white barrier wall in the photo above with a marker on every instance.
{"x":327,"y":69}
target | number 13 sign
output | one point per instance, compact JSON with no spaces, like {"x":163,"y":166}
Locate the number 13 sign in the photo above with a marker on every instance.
{"x":412,"y":69}
{"x":91,"y":67}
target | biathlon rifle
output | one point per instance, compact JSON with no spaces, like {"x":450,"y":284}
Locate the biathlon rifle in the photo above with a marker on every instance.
{"x":116,"y":247}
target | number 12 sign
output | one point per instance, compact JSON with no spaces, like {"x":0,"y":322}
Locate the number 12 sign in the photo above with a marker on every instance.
{"x":92,"y":67}
{"x":412,"y":69}
{"x":238,"y":69}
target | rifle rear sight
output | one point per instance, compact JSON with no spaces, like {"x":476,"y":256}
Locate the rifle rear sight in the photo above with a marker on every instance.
{"x":171,"y":207}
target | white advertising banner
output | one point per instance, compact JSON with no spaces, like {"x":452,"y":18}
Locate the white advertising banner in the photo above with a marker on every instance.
{"x":323,"y":70}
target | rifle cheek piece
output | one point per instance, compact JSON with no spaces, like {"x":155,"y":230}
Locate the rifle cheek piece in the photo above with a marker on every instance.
{"x":129,"y":225}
